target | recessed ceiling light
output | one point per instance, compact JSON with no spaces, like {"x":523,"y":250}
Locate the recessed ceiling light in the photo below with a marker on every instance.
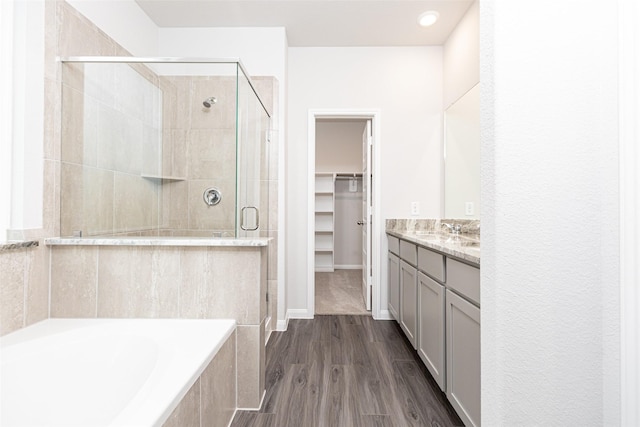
{"x":428,"y":18}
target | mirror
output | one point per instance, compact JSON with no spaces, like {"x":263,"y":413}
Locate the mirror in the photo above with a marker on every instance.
{"x":462,"y":157}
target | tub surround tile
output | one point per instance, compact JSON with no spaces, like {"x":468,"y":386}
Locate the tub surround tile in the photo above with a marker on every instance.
{"x":12,"y":267}
{"x":218,"y":386}
{"x":52,"y":114}
{"x":51,"y":198}
{"x":71,"y":198}
{"x":79,"y":37}
{"x":36,"y":285}
{"x":251,"y":365}
{"x":74,"y":281}
{"x":187,"y":414}
{"x":221,"y":282}
{"x":138,"y":282}
{"x":72,"y":143}
{"x":124,"y":283}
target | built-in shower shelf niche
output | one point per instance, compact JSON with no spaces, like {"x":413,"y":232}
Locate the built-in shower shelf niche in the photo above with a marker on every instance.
{"x":164,"y":178}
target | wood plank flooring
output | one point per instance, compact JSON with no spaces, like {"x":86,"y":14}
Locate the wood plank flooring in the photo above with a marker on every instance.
{"x":343,"y":371}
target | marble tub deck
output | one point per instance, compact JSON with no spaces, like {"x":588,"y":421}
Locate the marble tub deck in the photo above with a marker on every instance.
{"x":158,"y":241}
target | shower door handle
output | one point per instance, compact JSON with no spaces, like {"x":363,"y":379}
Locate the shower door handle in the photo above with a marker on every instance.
{"x":243,"y":215}
{"x":360,"y":222}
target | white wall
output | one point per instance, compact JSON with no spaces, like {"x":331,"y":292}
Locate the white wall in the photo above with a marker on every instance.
{"x":123,"y":21}
{"x":461,"y":56}
{"x":550,"y":281}
{"x":405,"y":85}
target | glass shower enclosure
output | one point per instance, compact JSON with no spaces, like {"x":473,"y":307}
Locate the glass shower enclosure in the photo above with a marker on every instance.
{"x":162,"y":147}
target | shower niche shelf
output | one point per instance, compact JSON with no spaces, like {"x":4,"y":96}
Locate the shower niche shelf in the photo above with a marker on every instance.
{"x":164,"y":178}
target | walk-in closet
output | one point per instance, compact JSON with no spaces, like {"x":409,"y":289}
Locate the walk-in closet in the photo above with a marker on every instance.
{"x":338,"y":217}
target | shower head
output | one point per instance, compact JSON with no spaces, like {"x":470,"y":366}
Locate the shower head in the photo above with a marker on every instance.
{"x":209,"y":101}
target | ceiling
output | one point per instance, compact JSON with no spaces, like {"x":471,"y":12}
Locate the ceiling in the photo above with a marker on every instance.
{"x":318,"y":22}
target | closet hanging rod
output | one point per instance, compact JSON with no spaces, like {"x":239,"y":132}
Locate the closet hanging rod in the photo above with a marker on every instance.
{"x":348,"y":175}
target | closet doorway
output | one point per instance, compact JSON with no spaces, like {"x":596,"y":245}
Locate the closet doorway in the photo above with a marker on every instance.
{"x":342,"y":220}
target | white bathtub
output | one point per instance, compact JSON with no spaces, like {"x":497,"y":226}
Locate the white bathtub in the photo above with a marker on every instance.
{"x":103,"y":372}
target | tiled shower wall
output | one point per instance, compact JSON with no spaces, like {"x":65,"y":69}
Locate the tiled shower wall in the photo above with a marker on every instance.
{"x":24,"y":273}
{"x":200,"y":147}
{"x":111,"y":138}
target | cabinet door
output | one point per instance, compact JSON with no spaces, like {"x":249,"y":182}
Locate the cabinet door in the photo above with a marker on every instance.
{"x":431,"y":339}
{"x":463,"y":358}
{"x":409,"y":301}
{"x":394,"y":285}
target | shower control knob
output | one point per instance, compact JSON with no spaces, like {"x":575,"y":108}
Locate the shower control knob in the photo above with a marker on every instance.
{"x":212,"y":196}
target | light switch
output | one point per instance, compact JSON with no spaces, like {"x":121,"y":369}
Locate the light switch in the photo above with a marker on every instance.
{"x":415,"y":208}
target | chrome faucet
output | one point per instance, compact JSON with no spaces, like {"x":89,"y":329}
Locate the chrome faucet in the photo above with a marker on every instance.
{"x":453,"y":228}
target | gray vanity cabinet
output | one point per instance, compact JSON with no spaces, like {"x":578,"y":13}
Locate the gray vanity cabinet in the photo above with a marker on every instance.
{"x":409,"y":301}
{"x":436,"y":300}
{"x":394,"y":285}
{"x":431,"y":330}
{"x":463,"y":341}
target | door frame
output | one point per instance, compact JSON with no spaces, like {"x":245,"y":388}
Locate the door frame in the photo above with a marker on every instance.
{"x":365,"y":114}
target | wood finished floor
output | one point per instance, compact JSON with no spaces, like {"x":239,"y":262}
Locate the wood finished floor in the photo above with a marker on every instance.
{"x":343,"y":371}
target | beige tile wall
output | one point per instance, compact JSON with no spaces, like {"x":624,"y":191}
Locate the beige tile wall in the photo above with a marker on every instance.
{"x":170,"y":282}
{"x":267,"y":88}
{"x":24,"y":290}
{"x":211,"y":401}
{"x":75,"y":289}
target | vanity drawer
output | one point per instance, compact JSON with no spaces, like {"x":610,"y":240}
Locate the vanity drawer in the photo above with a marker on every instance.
{"x":464,"y":278}
{"x":431,"y":263}
{"x":408,"y":252}
{"x":394,"y":244}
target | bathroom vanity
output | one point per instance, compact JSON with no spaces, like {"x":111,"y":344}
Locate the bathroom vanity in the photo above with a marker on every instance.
{"x":434,"y":295}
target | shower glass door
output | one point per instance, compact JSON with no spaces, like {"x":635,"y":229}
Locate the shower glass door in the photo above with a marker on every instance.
{"x":252,"y":161}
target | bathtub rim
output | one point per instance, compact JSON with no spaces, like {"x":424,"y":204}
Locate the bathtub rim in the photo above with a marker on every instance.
{"x":47,"y":328}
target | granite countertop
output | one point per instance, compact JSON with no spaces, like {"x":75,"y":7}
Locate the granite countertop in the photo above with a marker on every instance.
{"x":12,"y":246}
{"x":431,"y":233}
{"x":158,"y":241}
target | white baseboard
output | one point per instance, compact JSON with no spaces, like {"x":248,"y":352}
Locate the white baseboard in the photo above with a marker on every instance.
{"x":299,"y":313}
{"x":282,"y":325}
{"x":384,"y":315}
{"x":324,"y":270}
